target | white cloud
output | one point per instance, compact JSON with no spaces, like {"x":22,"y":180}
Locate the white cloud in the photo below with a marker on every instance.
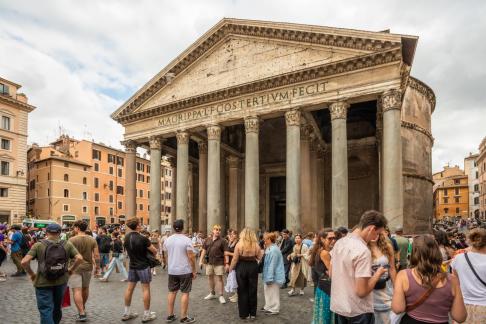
{"x":79,"y":60}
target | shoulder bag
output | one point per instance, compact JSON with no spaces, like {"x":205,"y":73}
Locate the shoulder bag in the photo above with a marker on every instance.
{"x":473,"y":270}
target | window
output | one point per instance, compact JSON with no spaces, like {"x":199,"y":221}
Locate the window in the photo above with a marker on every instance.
{"x":66,"y":177}
{"x":96,"y":167}
{"x":85,"y":168}
{"x":6,"y":122}
{"x":85,"y":195}
{"x":476,"y":200}
{"x":140,"y":167}
{"x":66,"y":193}
{"x":65,"y":208}
{"x":120,"y":172}
{"x":110,"y":185}
{"x":456,"y":199}
{"x":476,"y":187}
{"x":96,"y":155}
{"x":85,"y":209}
{"x":446,"y":200}
{"x":110,"y":170}
{"x":111,"y":212}
{"x":141,"y":193}
{"x":457,"y":210}
{"x":97,"y":210}
{"x":148,"y":194}
{"x":5,"y":144}
{"x":119,"y":190}
{"x":85,"y":181}
{"x":5,"y":168}
{"x":148,"y":179}
{"x":32,"y":184}
{"x":141,"y":207}
{"x":446,"y":210}
{"x":148,"y":168}
{"x":66,"y":164}
{"x":110,"y":198}
{"x":120,"y":205}
{"x":3,"y":192}
{"x":119,"y":160}
{"x":457,"y":181}
{"x":111,"y":158}
{"x":97,"y":196}
{"x":3,"y":89}
{"x":445,"y":192}
{"x":166,"y":183}
{"x":48,"y":192}
{"x":477,"y":175}
{"x":96,"y":183}
{"x":48,"y":176}
{"x":456,"y":191}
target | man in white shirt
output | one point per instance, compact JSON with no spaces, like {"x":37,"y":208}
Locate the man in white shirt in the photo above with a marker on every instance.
{"x":182,"y":270}
{"x":351,"y":279}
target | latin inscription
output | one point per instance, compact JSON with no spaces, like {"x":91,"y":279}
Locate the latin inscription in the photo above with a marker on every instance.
{"x":243,"y":104}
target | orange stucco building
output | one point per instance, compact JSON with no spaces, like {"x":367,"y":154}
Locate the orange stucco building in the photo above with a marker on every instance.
{"x":78,"y":179}
{"x":451,"y":193}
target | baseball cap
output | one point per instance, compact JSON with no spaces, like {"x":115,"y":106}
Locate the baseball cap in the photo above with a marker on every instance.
{"x":53,"y":228}
{"x":178,"y":225}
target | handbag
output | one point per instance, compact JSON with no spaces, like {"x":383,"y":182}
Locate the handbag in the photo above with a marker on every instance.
{"x":66,"y":300}
{"x":473,"y":270}
{"x":261,"y":264}
{"x":324,"y":283}
{"x":296,"y":259}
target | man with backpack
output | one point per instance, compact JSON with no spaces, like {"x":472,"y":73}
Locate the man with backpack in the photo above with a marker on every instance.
{"x":104,"y":247}
{"x":81,"y":278}
{"x":52,"y":274}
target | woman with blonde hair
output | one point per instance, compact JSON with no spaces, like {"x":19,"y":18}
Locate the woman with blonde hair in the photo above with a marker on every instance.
{"x":382,"y":255}
{"x":424,"y":292}
{"x":299,"y":268}
{"x":246,"y":256}
{"x":470,"y":267}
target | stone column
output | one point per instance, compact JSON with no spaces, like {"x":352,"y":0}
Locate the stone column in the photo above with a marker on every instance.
{"x":320,"y":185}
{"x":182,"y":176}
{"x":155,"y":167}
{"x":190,"y":197}
{"x":252,"y":174}
{"x":234,"y":192}
{"x":314,"y":186}
{"x":214,"y":176}
{"x":173,"y":193}
{"x":130,"y":179}
{"x":391,"y":102}
{"x":305,"y":179}
{"x":203,"y":186}
{"x":339,"y":195}
{"x":292,"y":217}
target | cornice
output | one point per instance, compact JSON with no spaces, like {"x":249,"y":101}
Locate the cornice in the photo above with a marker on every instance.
{"x":418,"y":128}
{"x":329,"y":69}
{"x":424,"y":89}
{"x":284,"y":32}
{"x":16,"y":103}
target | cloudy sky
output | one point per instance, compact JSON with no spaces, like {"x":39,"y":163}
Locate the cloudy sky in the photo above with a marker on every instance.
{"x":80,"y":60}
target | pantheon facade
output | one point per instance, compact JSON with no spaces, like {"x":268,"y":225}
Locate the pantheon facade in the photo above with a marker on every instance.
{"x":276,"y":125}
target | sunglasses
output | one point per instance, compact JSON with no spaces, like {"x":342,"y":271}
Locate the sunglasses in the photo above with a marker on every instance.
{"x":333,"y":238}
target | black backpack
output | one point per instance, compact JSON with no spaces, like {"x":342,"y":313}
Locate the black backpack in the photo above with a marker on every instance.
{"x":55,"y":262}
{"x":105,"y":244}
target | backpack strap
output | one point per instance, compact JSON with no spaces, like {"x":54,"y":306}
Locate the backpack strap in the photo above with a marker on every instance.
{"x":425,"y":295}
{"x":472,"y":269}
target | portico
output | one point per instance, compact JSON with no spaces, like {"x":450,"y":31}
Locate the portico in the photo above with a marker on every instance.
{"x":284,"y":125}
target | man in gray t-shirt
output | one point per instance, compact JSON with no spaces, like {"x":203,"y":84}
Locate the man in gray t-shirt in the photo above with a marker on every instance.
{"x":182,"y":270}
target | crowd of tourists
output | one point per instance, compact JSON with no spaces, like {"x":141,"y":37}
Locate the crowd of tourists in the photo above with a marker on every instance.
{"x":361,"y":275}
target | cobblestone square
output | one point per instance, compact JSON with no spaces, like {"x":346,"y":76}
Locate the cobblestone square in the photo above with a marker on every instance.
{"x":105,"y":304}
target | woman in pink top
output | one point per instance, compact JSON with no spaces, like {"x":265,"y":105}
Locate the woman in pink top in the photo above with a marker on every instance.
{"x":412,"y":284}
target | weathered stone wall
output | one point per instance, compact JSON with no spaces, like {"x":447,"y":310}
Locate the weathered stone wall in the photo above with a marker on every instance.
{"x":417,"y":141}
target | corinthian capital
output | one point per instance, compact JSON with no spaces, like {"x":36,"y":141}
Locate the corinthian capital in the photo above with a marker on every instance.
{"x":338,"y":110}
{"x":155,"y":142}
{"x":305,"y":132}
{"x":292,"y":117}
{"x":182,"y":137}
{"x":214,"y":132}
{"x":391,"y":99}
{"x":252,"y":124}
{"x":130,"y":146}
{"x":203,"y":147}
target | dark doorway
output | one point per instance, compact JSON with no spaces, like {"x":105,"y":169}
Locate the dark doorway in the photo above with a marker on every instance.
{"x":277,"y":203}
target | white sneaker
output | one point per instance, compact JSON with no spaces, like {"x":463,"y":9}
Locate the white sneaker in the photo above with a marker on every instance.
{"x":222,"y":300}
{"x":210,"y":296}
{"x":150,"y":317}
{"x":301,"y":292}
{"x":291,"y":292}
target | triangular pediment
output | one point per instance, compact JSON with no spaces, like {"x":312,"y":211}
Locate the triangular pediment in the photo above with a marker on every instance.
{"x":237,"y":52}
{"x":240,"y":60}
